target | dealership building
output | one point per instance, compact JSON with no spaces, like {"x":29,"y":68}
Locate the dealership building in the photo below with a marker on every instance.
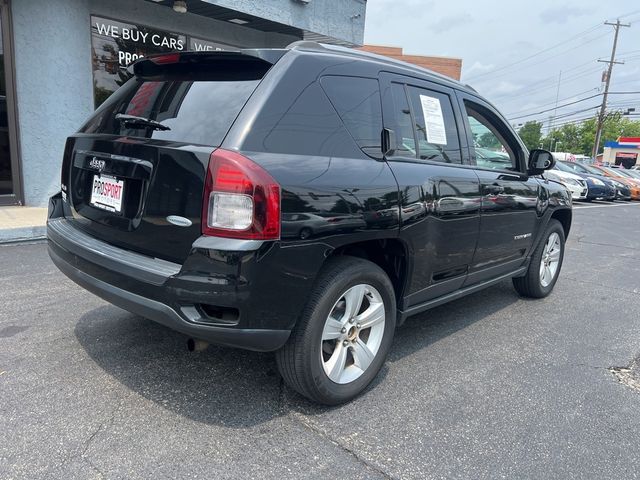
{"x":61,"y":58}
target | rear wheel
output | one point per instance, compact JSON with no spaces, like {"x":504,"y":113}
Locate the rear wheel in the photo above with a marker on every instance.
{"x":545,"y":265}
{"x":345,"y":332}
{"x":305,"y":233}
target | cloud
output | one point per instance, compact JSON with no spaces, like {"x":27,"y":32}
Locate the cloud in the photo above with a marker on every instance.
{"x":450,"y":21}
{"x":562,"y":14}
{"x":479,"y":67}
{"x":504,"y":87}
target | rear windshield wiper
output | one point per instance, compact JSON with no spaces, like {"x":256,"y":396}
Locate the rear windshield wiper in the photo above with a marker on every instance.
{"x":132,"y":120}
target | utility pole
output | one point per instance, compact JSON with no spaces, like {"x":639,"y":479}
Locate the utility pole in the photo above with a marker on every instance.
{"x":605,"y":94}
{"x":555,"y":110}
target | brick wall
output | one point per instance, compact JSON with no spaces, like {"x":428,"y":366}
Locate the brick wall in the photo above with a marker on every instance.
{"x":451,"y":67}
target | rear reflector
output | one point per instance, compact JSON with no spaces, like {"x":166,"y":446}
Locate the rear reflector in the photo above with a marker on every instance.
{"x":241,"y":200}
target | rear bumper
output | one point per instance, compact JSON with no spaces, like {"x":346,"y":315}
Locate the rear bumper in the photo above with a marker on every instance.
{"x":167,"y":293}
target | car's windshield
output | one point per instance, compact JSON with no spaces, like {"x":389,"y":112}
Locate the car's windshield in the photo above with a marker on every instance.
{"x":565,"y":168}
{"x":574,"y":166}
{"x":618,"y":172}
{"x":590,"y":169}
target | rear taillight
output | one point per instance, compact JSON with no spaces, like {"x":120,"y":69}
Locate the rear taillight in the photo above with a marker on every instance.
{"x":241,"y":200}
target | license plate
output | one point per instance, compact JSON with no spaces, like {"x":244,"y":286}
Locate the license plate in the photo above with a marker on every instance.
{"x":107,"y":192}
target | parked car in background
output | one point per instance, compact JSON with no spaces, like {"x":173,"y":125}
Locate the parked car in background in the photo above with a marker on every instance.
{"x":600,"y":187}
{"x":622,"y":191}
{"x":572,"y":182}
{"x":633,"y":173}
{"x":619,"y":176}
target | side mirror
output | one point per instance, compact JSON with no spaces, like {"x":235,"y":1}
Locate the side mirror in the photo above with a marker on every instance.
{"x":388,"y":142}
{"x":539,"y":161}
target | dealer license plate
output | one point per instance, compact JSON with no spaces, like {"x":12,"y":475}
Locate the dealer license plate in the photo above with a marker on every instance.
{"x":107,"y":192}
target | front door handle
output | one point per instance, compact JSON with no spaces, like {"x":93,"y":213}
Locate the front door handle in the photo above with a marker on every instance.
{"x":494,"y":189}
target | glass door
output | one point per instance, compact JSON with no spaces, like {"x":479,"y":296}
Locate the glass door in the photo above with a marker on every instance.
{"x":10,"y":184}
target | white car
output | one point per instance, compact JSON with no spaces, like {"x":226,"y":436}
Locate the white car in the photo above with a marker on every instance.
{"x":575,"y":184}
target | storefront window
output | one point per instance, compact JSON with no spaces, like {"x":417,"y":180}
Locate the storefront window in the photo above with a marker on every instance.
{"x":115,"y":45}
{"x":6,"y":177}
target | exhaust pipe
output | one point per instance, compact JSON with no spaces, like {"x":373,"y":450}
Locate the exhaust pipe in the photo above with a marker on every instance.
{"x":195,"y":345}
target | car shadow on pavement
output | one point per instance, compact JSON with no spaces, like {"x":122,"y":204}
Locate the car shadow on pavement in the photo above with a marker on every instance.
{"x":224,"y":386}
{"x":422,"y":330}
{"x":237,"y":388}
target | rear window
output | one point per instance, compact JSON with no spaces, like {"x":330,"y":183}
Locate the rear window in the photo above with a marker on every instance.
{"x":200,"y":111}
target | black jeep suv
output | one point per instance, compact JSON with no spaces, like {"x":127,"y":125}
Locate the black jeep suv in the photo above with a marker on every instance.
{"x":304,"y":200}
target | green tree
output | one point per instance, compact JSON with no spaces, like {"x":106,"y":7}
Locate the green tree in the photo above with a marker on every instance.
{"x":579,"y":138}
{"x":531,"y":134}
{"x":489,"y":140}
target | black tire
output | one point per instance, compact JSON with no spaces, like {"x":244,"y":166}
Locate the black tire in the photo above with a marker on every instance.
{"x":300,"y":360}
{"x":530,"y":285}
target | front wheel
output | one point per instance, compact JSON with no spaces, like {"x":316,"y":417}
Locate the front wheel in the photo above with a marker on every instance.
{"x":344,"y":334}
{"x":545,"y":265}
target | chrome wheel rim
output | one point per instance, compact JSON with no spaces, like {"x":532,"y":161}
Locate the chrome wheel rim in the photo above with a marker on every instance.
{"x":550,"y":259}
{"x":352,"y":334}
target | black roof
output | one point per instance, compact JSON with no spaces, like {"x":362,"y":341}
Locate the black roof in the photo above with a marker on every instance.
{"x":408,"y":68}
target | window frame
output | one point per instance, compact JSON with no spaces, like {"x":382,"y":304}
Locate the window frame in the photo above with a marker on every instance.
{"x":387,"y":79}
{"x":378,"y":156}
{"x":499,"y":125}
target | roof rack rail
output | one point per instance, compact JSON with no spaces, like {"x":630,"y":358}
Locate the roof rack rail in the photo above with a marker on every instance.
{"x":307,"y":44}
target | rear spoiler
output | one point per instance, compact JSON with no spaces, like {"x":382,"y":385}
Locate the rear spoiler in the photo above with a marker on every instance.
{"x":253,"y":63}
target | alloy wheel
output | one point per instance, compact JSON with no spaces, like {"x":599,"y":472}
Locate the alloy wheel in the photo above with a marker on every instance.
{"x":550,"y":259}
{"x":352,"y":333}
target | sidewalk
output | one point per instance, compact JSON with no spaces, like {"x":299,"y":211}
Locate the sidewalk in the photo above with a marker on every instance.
{"x":22,"y":223}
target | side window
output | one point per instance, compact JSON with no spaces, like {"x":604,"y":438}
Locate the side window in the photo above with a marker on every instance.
{"x":491,"y":149}
{"x":405,"y":139}
{"x":357,"y":101}
{"x":435,"y":125}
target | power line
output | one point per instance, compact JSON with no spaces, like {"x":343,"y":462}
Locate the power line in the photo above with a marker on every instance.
{"x":570,"y":103}
{"x":564,"y":42}
{"x":570,"y":97}
{"x":555,"y":108}
{"x":519,"y":93}
{"x":582,"y":44}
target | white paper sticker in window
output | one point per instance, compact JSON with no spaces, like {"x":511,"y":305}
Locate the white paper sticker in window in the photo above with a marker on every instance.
{"x":433,"y":119}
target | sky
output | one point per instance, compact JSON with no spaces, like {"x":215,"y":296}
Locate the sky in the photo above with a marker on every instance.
{"x":522,"y":55}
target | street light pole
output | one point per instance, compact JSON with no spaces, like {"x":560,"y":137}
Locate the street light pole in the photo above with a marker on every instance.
{"x":605,"y":94}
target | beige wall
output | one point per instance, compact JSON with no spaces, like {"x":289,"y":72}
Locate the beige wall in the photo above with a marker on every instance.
{"x":609,"y":154}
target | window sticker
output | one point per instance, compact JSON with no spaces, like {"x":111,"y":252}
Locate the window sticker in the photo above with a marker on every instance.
{"x":433,"y":119}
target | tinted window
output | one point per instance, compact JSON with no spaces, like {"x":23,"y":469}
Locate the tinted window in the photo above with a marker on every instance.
{"x":300,"y":123}
{"x":435,"y":125}
{"x":195,"y":111}
{"x":405,"y":140}
{"x":357,"y":101}
{"x":491,"y":149}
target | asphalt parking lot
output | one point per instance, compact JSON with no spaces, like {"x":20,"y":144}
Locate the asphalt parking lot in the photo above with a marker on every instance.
{"x":490,"y":386}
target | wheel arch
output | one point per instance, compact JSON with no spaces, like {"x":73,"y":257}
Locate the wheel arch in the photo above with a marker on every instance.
{"x":390,"y":254}
{"x":564,"y":216}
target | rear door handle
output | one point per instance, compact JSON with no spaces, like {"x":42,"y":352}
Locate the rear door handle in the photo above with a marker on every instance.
{"x":494,"y":189}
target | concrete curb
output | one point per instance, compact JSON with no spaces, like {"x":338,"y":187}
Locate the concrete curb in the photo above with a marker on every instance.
{"x":23,"y":234}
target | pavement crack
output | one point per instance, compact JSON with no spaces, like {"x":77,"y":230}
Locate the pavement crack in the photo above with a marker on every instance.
{"x":82,"y":455}
{"x":309,"y":425}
